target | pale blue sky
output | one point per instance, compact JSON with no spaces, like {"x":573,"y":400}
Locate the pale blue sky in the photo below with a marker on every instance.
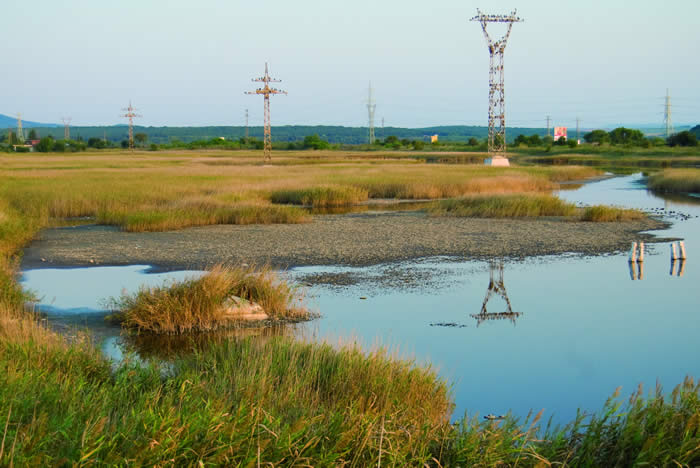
{"x":189,"y":62}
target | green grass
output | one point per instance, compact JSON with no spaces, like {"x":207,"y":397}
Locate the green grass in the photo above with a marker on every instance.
{"x":675,"y":180}
{"x":503,"y":206}
{"x":200,"y":304}
{"x":321,"y":196}
{"x":602,"y":213}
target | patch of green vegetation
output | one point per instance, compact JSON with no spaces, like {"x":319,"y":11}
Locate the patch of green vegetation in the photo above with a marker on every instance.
{"x":675,"y":180}
{"x":321,"y":196}
{"x":602,"y":213}
{"x":503,"y":206}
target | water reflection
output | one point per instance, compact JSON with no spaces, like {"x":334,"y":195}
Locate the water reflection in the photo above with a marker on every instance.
{"x":636,"y":270}
{"x":496,"y":288}
{"x":678,"y":271}
{"x":168,"y":347}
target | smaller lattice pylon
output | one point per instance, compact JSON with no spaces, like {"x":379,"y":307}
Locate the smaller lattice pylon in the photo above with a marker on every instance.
{"x":371,"y":108}
{"x":130,"y":114}
{"x":20,"y":132}
{"x":66,"y":128}
{"x":266,"y":92}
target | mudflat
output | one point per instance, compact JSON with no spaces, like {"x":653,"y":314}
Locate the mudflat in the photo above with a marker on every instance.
{"x":367,"y":238}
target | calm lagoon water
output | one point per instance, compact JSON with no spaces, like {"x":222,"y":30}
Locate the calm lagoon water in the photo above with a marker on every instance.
{"x":586,"y":326}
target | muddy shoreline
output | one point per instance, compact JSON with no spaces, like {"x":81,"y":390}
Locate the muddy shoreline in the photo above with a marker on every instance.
{"x":355,"y":239}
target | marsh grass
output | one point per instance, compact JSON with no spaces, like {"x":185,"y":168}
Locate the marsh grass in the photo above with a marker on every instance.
{"x":321,"y":196}
{"x":199,"y":304}
{"x":602,"y":213}
{"x":279,"y":401}
{"x":185,"y":215}
{"x":675,"y":180}
{"x":503,"y":206}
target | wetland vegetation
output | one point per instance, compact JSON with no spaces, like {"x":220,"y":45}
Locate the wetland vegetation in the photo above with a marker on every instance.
{"x":275,"y":400}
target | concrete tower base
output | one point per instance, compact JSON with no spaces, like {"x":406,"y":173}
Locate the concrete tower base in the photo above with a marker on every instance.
{"x":496,"y":161}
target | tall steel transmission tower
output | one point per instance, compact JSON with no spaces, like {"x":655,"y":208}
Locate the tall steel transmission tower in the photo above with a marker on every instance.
{"x":66,"y":127}
{"x":667,"y":115}
{"x":130,"y":114}
{"x":246,"y":125}
{"x":497,"y":100}
{"x":266,"y":91}
{"x":371,"y":107}
{"x":20,"y":132}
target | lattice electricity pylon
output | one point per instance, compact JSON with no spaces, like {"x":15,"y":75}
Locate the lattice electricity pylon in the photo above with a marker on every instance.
{"x":20,"y":132}
{"x":130,"y":114}
{"x":496,"y":287}
{"x":66,"y":128}
{"x":266,"y":91}
{"x":371,"y":107}
{"x":497,"y":100}
{"x":667,"y":115}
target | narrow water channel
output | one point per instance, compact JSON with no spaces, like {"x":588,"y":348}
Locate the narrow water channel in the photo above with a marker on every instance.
{"x":555,"y":333}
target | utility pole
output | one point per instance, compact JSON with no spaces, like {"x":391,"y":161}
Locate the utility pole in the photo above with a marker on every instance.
{"x":246,"y":125}
{"x":66,"y":128}
{"x":497,"y":100}
{"x":549,"y":120}
{"x":371,"y":107}
{"x":130,"y":114}
{"x":667,"y":115}
{"x":383,"y":134}
{"x":266,"y":91}
{"x":20,"y":132}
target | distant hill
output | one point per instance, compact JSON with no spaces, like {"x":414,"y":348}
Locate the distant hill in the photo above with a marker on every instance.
{"x":11,"y":122}
{"x":287,"y":133}
{"x":696,"y":130}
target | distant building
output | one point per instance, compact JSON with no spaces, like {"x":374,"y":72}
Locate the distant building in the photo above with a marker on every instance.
{"x":433,"y":138}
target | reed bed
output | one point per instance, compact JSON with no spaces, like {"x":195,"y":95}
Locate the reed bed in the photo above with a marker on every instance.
{"x":503,"y":206}
{"x":321,"y":196}
{"x":675,"y":180}
{"x":606,"y":214}
{"x":202,"y":304}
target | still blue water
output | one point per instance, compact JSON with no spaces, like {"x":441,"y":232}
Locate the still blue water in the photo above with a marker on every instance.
{"x":586,"y":326}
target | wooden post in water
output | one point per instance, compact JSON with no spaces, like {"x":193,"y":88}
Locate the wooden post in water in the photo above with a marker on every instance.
{"x":641,"y":253}
{"x":633,"y":252}
{"x":681,"y":248}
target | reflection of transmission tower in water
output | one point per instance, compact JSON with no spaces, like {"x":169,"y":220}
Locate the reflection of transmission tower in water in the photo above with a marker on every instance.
{"x":497,"y":100}
{"x":496,"y":287}
{"x":266,"y":91}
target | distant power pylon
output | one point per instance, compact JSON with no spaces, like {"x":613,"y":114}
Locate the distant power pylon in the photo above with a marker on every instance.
{"x":578,"y":124}
{"x":130,"y":114}
{"x":549,"y":123}
{"x":66,"y":127}
{"x":497,"y":100}
{"x":266,"y":91}
{"x":246,"y":124}
{"x":20,"y":132}
{"x":371,"y":107}
{"x":667,"y":115}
